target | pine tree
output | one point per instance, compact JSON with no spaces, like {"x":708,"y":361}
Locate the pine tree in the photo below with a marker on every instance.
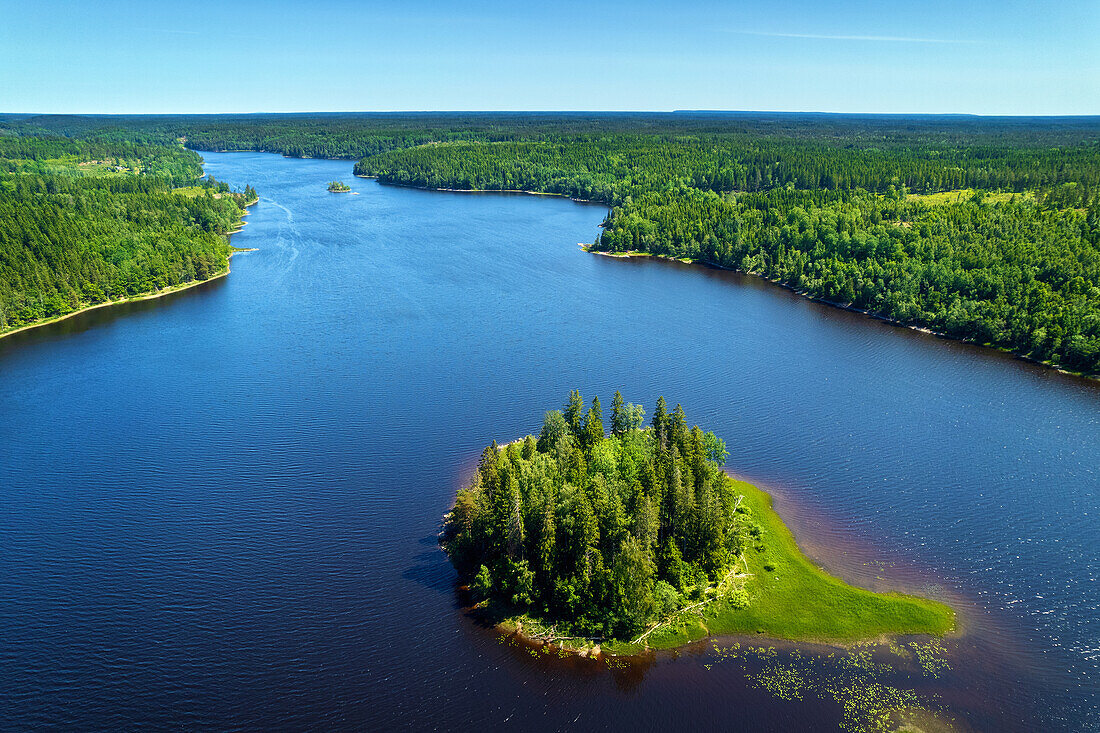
{"x":677,"y":428}
{"x":645,"y":523}
{"x":544,"y":553}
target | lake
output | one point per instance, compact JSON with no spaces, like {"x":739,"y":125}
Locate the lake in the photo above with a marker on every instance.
{"x":219,"y":509}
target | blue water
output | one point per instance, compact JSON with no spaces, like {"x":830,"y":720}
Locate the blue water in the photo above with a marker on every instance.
{"x":218,"y":509}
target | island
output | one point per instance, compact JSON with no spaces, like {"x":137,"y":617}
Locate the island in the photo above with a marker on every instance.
{"x":638,"y":539}
{"x":338,"y":187}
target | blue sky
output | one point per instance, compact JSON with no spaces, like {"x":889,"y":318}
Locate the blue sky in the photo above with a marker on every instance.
{"x":959,"y":56}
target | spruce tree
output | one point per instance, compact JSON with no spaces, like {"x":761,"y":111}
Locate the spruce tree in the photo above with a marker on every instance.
{"x":593,"y":424}
{"x":620,"y":420}
{"x":574,"y":412}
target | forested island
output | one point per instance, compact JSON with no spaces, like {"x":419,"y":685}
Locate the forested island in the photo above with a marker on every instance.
{"x":86,"y":223}
{"x":638,"y":539}
{"x":338,"y":187}
{"x":982,"y":229}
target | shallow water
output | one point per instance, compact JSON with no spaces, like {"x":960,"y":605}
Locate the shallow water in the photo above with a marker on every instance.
{"x":219,"y":508}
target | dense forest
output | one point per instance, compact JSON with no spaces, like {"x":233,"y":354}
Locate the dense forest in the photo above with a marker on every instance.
{"x":600,"y":534}
{"x":1009,"y":270}
{"x":84,"y":222}
{"x":985,"y":229}
{"x":356,"y":135}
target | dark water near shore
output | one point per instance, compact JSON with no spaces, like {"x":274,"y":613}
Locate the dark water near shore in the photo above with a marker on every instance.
{"x":219,"y":509}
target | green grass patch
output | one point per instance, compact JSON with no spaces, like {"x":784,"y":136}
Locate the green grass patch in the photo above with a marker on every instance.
{"x":942,"y":198}
{"x":789,"y":597}
{"x":622,"y":648}
{"x":800,"y":601}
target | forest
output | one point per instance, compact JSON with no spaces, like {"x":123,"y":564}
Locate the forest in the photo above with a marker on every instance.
{"x":633,"y":534}
{"x":979,"y":228}
{"x":86,"y":222}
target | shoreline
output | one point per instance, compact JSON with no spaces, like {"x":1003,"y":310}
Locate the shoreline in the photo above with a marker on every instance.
{"x":842,"y":306}
{"x":170,"y":290}
{"x":687,"y":261}
{"x":767,"y":619}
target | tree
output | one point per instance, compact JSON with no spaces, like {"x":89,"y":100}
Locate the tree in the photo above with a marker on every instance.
{"x":554,"y":428}
{"x":482,"y":586}
{"x":513,"y":520}
{"x":645,"y":522}
{"x":593,"y":424}
{"x":544,"y":553}
{"x":660,"y":420}
{"x":620,"y":418}
{"x":632,"y":575}
{"x":715,"y":448}
{"x":522,"y":584}
{"x":574,"y":412}
{"x":677,"y":426}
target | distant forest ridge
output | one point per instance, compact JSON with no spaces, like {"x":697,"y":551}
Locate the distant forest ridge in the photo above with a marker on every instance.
{"x":354,"y":135}
{"x":979,"y":228}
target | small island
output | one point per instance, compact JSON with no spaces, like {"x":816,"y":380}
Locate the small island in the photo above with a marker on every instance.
{"x":338,"y":187}
{"x":640,"y":540}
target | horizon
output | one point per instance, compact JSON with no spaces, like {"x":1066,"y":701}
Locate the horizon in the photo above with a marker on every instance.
{"x":608,"y":112}
{"x":977,"y":58}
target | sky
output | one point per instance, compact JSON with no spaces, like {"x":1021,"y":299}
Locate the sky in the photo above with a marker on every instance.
{"x":889,"y":56}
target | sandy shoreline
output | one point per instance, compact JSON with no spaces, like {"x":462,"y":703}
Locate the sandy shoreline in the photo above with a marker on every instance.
{"x":149,"y":296}
{"x":146,"y":296}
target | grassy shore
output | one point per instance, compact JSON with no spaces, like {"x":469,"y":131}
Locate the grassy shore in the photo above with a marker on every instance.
{"x":791,"y":598}
{"x":788,"y":597}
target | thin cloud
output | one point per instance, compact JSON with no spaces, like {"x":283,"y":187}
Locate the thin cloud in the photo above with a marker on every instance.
{"x":184,"y":32}
{"x":880,"y":39}
{"x":173,"y":31}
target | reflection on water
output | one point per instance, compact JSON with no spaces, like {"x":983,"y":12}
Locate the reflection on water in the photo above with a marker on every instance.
{"x":219,"y":508}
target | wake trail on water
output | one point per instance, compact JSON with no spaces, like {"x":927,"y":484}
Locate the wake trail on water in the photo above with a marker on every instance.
{"x":287,"y":239}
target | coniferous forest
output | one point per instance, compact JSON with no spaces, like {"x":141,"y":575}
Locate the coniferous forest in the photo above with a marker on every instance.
{"x":601,"y":534}
{"x":984,"y":229}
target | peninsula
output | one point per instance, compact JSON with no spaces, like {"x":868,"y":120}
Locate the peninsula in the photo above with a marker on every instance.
{"x":639,"y":540}
{"x":88,"y":224}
